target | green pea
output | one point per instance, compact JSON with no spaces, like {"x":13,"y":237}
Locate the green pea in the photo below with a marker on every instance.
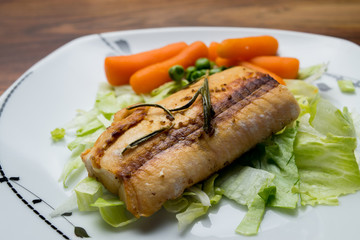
{"x":189,"y":71}
{"x":202,"y":63}
{"x":176,"y":73}
{"x":195,"y":75}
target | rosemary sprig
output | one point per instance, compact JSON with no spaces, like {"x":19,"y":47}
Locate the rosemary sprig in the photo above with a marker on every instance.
{"x":208,"y":109}
{"x":135,"y":143}
{"x":192,"y":100}
{"x":171,"y":117}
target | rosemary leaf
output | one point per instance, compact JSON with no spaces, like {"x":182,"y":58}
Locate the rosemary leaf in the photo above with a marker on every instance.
{"x":171,"y":117}
{"x":208,"y":109}
{"x":145,"y":138}
{"x":192,"y":100}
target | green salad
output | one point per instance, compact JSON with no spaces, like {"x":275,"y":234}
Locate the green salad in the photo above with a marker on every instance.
{"x":309,"y":162}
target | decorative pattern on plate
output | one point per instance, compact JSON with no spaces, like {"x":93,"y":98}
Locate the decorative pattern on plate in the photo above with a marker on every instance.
{"x":13,"y":182}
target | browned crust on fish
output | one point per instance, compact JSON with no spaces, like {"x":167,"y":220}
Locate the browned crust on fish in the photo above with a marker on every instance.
{"x":239,"y":93}
{"x":124,"y":121}
{"x":248,"y":107}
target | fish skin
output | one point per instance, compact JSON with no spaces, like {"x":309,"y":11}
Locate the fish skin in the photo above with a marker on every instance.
{"x":249,"y":107}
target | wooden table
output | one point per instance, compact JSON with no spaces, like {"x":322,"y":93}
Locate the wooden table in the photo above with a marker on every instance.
{"x":31,"y":29}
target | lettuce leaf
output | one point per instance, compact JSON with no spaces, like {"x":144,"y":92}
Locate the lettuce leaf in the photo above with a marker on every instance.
{"x":251,"y":222}
{"x":324,"y":148}
{"x":215,"y":193}
{"x":87,"y":192}
{"x":250,"y":187}
{"x":346,"y":86}
{"x":74,"y":165}
{"x":314,"y":158}
{"x":164,"y":91}
{"x":192,"y":212}
{"x":312,"y":73}
{"x":113,"y":211}
{"x":200,"y":195}
{"x":327,"y":164}
{"x":305,"y":94}
{"x":58,"y":134}
{"x":195,"y":202}
{"x":176,"y":205}
{"x":278,"y":158}
{"x":328,"y":119}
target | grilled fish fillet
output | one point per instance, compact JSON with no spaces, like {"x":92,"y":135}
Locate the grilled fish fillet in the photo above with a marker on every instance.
{"x":249,"y":107}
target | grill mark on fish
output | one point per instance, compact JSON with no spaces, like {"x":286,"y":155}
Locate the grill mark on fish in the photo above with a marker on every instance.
{"x":185,"y":135}
{"x":242,"y":93}
{"x":240,"y":89}
{"x":246,"y":95}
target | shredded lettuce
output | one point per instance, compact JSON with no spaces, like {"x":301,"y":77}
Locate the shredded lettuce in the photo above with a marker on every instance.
{"x":192,"y":212}
{"x":87,"y":192}
{"x":113,"y":211}
{"x":251,"y":222}
{"x":324,"y":149}
{"x":305,"y":94}
{"x":313,"y":160}
{"x":58,"y":134}
{"x":73,"y":166}
{"x":250,"y":187}
{"x":329,"y":119}
{"x":327,"y":165}
{"x":200,"y":195}
{"x":278,"y":159}
{"x":214,"y":193}
{"x":88,"y":125}
{"x":176,"y":205}
{"x":164,"y":91}
{"x":312,"y":73}
{"x":91,"y":196}
{"x":195,"y":202}
{"x":346,"y":86}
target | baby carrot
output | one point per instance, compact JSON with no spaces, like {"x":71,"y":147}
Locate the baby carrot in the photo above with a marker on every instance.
{"x":227,"y":62}
{"x":247,"y":47}
{"x":118,"y":69}
{"x":151,"y":77}
{"x":260,"y":69}
{"x":213,"y":50}
{"x":285,"y":67}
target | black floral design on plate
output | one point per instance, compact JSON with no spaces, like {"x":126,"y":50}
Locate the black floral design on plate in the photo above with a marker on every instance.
{"x":122,"y":46}
{"x":13,"y":182}
{"x":323,"y":87}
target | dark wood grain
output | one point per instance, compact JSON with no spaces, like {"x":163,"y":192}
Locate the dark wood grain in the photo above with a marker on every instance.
{"x":31,"y":29}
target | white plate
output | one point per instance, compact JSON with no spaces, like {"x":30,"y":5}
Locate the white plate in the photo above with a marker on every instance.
{"x":50,"y":92}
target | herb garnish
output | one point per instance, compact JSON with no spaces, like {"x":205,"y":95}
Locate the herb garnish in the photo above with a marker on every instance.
{"x":186,"y":106}
{"x":145,"y":138}
{"x":171,"y":117}
{"x":207,"y":108}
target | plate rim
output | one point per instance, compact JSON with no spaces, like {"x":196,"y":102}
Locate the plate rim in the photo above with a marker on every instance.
{"x":7,"y":94}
